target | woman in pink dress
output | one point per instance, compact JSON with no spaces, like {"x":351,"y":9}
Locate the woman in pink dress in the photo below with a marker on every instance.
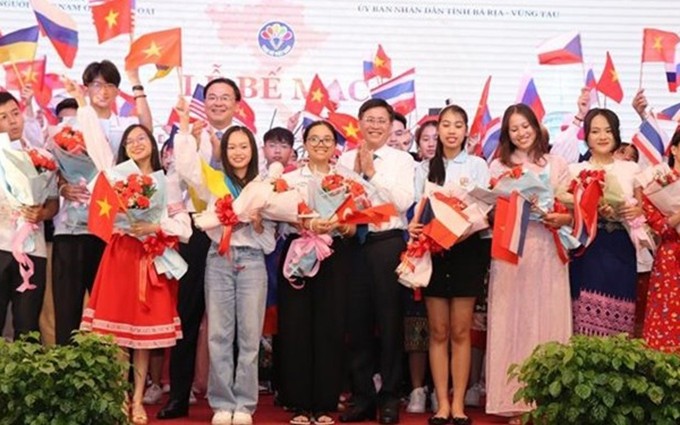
{"x":529,"y":302}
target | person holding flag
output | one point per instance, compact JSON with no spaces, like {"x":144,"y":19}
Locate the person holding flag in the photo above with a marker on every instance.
{"x":235,"y":274}
{"x":458,"y":274}
{"x":529,"y":301}
{"x":135,"y":290}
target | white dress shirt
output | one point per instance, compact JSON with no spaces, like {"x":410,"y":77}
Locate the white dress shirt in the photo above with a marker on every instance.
{"x":393,"y":180}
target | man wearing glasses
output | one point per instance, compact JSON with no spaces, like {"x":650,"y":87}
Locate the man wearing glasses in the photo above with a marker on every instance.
{"x":374,"y":292}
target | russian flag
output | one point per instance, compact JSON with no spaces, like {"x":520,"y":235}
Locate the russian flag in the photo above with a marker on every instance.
{"x":672,"y":76}
{"x":563,"y":49}
{"x":672,"y":113}
{"x":651,"y":141}
{"x":528,"y":95}
{"x":59,"y":27}
{"x":591,"y":83}
{"x":400,"y":92}
{"x":492,"y":136}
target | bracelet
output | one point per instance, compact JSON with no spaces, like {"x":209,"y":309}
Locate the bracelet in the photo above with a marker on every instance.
{"x":577,"y":118}
{"x":61,"y":188}
{"x":138,"y":87}
{"x":140,"y":95}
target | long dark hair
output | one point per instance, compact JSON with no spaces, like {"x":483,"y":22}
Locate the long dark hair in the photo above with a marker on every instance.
{"x":252,"y":170}
{"x":612,"y":120}
{"x":155,"y":154}
{"x":675,"y":141}
{"x":437,"y":172}
{"x":506,"y":148}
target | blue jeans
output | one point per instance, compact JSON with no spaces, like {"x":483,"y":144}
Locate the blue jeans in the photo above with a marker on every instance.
{"x":235,"y":295}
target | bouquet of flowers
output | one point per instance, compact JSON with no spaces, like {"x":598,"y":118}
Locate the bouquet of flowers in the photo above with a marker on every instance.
{"x":415,"y":268}
{"x":76,"y":167}
{"x":475,"y":211}
{"x":531,"y":186}
{"x":661,"y":185}
{"x":28,"y":179}
{"x":143,"y":198}
{"x":271,"y":196}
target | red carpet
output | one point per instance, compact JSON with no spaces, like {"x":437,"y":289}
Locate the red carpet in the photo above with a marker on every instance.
{"x":267,"y":413}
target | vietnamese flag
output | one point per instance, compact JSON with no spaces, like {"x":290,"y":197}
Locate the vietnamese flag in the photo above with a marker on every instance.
{"x":30,"y":73}
{"x":112,"y":18}
{"x":609,"y":84}
{"x":245,"y":115}
{"x":347,"y":127}
{"x":104,"y":205}
{"x":159,"y":48}
{"x":659,"y":46}
{"x":382,"y":64}
{"x":317,"y":97}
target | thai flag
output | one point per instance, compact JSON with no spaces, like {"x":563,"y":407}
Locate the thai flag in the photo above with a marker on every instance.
{"x":516,"y":224}
{"x":59,"y":27}
{"x":564,"y":49}
{"x":528,"y":95}
{"x":651,"y":141}
{"x":491,"y":138}
{"x":672,"y":113}
{"x":400,"y":92}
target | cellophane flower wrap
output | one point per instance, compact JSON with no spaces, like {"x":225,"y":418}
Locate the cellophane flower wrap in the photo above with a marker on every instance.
{"x":661,"y":185}
{"x":270,"y":196}
{"x":28,"y":178}
{"x":76,"y":167}
{"x":144,"y":198}
{"x":305,"y":255}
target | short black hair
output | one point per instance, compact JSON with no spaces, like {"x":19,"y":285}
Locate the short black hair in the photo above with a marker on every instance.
{"x":279,"y":134}
{"x":105,"y":69}
{"x":376,"y":103}
{"x":6,"y":96}
{"x":226,"y":81}
{"x":68,"y":103}
{"x":401,"y":118}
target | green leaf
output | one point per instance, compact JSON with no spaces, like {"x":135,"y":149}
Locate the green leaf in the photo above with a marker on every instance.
{"x":555,"y":389}
{"x":583,"y":391}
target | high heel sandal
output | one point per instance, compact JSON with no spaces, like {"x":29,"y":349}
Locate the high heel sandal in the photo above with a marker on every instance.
{"x":138,"y":415}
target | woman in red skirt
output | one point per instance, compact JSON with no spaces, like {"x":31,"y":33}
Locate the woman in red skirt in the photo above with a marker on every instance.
{"x":133,"y":299}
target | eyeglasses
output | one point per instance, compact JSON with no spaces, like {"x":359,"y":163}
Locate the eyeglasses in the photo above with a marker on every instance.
{"x":374,"y":121}
{"x":98,"y":85}
{"x":225,"y":98}
{"x":316,"y":141}
{"x":138,"y":141}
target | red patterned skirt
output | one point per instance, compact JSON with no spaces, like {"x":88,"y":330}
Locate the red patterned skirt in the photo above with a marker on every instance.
{"x":129,"y":301}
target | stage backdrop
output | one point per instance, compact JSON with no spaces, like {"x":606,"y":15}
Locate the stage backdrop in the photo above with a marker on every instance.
{"x":273,"y":49}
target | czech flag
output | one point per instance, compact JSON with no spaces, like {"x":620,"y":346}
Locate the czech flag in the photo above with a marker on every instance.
{"x":400,"y":92}
{"x":672,"y":113}
{"x":528,"y":95}
{"x":564,"y":49}
{"x":59,"y":27}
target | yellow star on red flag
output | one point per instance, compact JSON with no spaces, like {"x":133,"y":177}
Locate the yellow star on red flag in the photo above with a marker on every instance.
{"x":112,"y":18}
{"x":104,"y":207}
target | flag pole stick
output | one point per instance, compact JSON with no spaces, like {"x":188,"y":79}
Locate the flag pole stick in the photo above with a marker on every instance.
{"x":271,"y":122}
{"x":180,"y":78}
{"x":640,"y":82}
{"x":16,"y":72}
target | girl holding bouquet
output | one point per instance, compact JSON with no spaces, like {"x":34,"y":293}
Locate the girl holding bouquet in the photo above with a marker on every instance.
{"x":235,"y":274}
{"x":603,"y":277}
{"x":312,"y":313}
{"x":662,"y":317}
{"x":130,"y":299}
{"x":529,"y":302}
{"x":457,"y":274}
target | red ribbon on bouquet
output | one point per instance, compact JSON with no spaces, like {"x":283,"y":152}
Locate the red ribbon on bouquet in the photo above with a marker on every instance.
{"x":561,"y":250}
{"x":228,"y":218}
{"x":154,"y":246}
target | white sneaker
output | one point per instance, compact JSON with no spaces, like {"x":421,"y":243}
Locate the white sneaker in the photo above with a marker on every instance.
{"x":192,"y":397}
{"x":434,"y":405}
{"x":417,"y":399}
{"x":153,"y":395}
{"x":473,"y":395}
{"x":377,"y":382}
{"x":166,"y":388}
{"x":222,"y":417}
{"x":242,"y":418}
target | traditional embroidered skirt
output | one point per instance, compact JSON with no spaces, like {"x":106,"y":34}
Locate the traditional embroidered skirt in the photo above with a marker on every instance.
{"x":126,"y":302}
{"x":603,"y":280}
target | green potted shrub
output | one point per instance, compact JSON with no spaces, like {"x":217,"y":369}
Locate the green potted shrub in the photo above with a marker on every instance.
{"x":600,"y":380}
{"x":81,"y":383}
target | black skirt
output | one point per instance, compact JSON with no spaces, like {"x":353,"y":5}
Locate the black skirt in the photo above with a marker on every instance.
{"x":460,"y":271}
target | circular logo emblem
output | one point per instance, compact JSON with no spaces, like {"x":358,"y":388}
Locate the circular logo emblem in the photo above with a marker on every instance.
{"x":276,"y":38}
